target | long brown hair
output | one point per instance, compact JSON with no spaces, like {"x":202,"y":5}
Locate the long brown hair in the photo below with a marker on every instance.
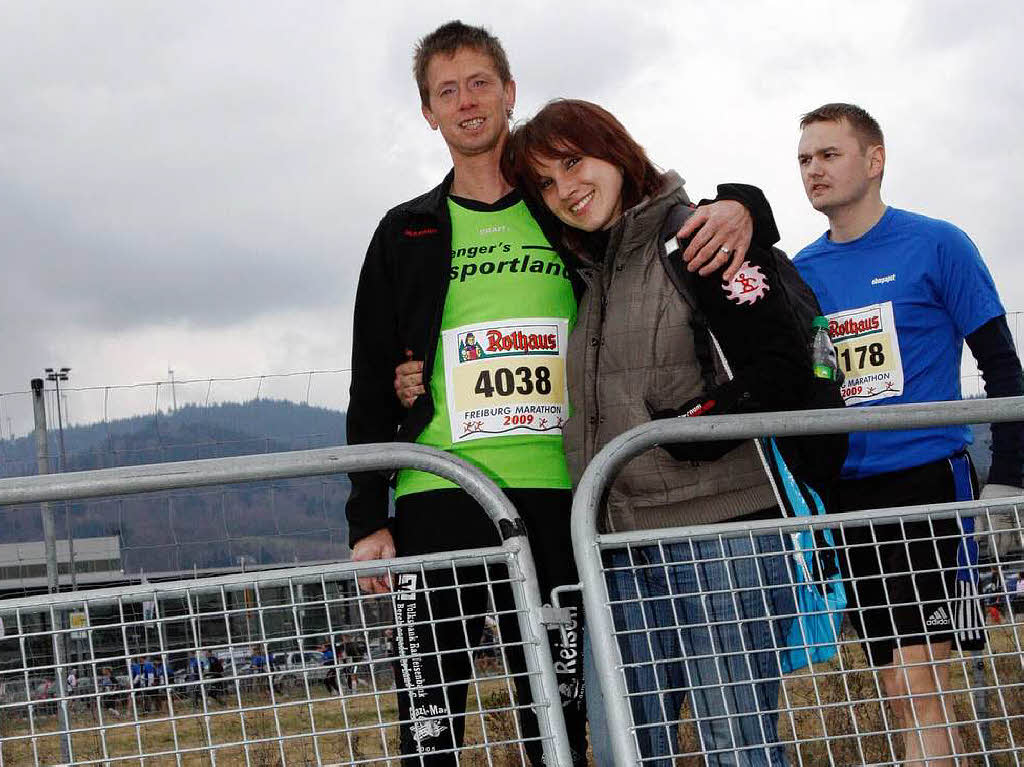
{"x":570,"y":127}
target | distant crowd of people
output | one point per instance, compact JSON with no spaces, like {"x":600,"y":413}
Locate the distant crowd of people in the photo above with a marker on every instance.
{"x":346,"y":659}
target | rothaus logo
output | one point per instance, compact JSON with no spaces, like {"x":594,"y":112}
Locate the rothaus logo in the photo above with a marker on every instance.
{"x":851,"y":327}
{"x":508,"y":340}
{"x":518,"y":341}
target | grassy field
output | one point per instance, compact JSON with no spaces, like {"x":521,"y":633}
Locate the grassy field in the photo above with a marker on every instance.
{"x":355,"y":729}
{"x":823,"y":733}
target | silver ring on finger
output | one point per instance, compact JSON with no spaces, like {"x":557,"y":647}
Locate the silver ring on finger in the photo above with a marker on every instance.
{"x":725,"y":250}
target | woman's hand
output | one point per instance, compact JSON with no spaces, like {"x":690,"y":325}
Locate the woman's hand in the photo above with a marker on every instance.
{"x":721,"y":235}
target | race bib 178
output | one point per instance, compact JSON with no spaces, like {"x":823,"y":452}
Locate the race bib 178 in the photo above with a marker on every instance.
{"x":506,"y":378}
{"x":868,"y":351}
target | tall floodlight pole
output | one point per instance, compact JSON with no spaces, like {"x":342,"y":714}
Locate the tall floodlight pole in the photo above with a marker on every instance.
{"x":174,"y":394}
{"x":57,"y":376}
{"x":50,"y":542}
{"x":43,"y":464}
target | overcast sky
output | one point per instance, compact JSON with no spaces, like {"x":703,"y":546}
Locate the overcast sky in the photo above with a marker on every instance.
{"x":193,"y":184}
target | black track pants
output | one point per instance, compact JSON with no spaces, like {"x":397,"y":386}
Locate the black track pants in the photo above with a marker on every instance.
{"x":434,"y":712}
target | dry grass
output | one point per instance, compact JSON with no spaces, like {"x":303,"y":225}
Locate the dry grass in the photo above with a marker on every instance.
{"x":855,"y":731}
{"x":352,"y":729}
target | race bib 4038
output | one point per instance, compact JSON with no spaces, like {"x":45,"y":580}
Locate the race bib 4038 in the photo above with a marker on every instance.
{"x":506,"y":378}
{"x":868,"y":351}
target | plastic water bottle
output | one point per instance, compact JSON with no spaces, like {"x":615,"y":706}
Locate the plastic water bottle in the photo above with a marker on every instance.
{"x":823,"y":353}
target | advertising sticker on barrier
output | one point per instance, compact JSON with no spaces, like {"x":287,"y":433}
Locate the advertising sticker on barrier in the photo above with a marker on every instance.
{"x":79,"y":622}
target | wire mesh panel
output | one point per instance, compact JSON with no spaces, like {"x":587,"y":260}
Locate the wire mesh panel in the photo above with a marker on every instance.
{"x":298,"y":666}
{"x":716,"y":663}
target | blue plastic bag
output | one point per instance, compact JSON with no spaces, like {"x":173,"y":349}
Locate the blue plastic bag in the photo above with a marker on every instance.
{"x":821,"y":599}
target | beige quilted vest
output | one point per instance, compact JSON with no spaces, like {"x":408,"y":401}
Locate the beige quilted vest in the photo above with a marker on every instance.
{"x":633,"y":342}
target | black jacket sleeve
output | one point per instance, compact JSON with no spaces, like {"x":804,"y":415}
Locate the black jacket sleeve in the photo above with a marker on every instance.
{"x":993,"y":348}
{"x":766,"y":233}
{"x":374,"y":411}
{"x":759,"y":336}
{"x":762,"y":338}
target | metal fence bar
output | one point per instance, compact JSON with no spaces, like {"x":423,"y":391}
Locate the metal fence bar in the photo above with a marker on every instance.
{"x":601,"y":471}
{"x":921,"y":513}
{"x":295,"y":575}
{"x":514,"y":550}
{"x":128,"y":480}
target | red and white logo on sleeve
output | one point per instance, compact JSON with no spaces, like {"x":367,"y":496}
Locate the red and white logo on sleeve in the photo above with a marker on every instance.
{"x":747,"y":286}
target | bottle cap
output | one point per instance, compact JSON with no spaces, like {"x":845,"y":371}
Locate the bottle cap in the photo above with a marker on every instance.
{"x":820,"y":322}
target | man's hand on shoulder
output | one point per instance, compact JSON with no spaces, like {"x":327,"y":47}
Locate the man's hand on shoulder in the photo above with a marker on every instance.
{"x":409,"y":380}
{"x":378,"y":545}
{"x":721,"y":234}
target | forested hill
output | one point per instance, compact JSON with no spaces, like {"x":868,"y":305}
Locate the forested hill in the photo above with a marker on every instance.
{"x":192,"y":431}
{"x":282,"y":521}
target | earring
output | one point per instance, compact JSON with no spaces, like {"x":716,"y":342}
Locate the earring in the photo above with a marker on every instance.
{"x":508,"y":113}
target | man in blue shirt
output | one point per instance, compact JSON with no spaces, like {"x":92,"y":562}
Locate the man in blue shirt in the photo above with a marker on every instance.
{"x":902,"y":293}
{"x":193,"y":667}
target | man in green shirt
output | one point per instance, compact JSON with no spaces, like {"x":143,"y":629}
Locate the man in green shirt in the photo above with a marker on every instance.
{"x":463,"y":282}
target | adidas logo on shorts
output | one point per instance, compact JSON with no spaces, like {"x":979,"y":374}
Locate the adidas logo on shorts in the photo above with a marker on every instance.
{"x":938,"y":618}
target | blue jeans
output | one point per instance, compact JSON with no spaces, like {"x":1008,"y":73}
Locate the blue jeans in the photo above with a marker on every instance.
{"x":709,"y":626}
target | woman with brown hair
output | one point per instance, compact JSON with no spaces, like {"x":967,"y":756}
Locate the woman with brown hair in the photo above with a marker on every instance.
{"x":705,"y":619}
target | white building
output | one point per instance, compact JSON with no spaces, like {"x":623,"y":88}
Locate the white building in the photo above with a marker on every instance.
{"x":23,"y":565}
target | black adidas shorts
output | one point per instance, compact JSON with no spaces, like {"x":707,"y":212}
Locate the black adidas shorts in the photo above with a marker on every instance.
{"x":901,"y":583}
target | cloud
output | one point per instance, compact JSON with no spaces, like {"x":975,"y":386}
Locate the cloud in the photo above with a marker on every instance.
{"x":196,"y":183}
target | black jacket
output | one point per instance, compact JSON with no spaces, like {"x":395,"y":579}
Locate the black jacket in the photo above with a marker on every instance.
{"x":399,"y":302}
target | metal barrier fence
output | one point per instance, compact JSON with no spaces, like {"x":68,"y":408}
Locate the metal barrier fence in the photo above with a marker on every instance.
{"x":690,"y":626}
{"x":72,"y":694}
{"x":294,"y":666}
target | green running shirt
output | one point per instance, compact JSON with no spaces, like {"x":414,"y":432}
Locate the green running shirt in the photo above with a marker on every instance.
{"x":498,"y":381}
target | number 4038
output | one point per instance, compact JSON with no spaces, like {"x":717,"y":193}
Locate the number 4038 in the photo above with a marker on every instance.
{"x":506,"y":381}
